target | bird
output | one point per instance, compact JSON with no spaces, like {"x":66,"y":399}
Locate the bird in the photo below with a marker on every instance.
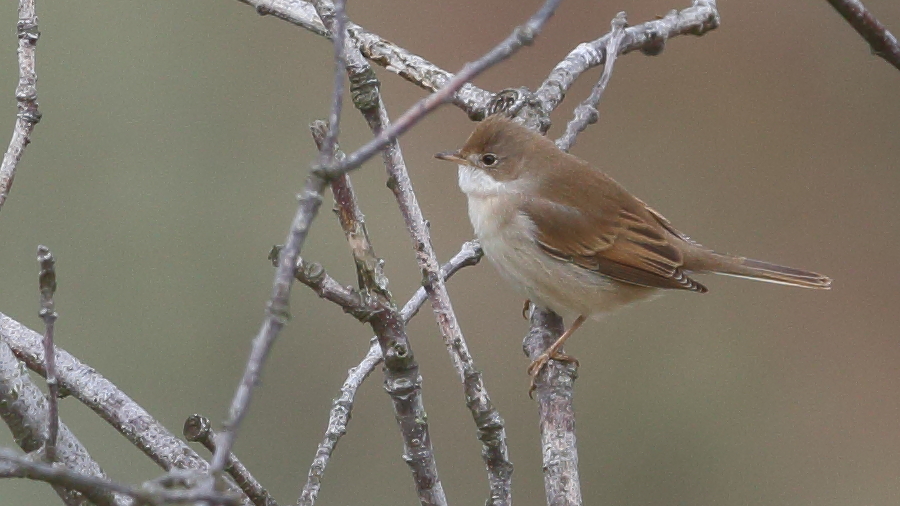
{"x":573,"y":240}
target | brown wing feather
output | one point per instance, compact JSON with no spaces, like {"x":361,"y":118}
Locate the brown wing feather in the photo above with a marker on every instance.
{"x":598,"y":226}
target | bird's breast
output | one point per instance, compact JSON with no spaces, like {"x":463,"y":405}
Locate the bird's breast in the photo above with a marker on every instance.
{"x":508,"y":239}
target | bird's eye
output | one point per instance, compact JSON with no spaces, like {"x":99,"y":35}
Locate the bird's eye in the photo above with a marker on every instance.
{"x":489,"y":159}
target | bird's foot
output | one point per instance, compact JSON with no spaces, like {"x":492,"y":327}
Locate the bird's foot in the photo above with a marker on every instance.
{"x":538,"y":365}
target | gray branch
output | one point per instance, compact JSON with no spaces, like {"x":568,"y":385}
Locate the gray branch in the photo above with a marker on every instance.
{"x":649,"y":37}
{"x":14,"y":466}
{"x":24,"y":409}
{"x":339,"y":417}
{"x":409,"y":66}
{"x":198,"y":429}
{"x":586,"y":113}
{"x":26,"y":97}
{"x":278,"y":308}
{"x":882,"y":41}
{"x":554,"y":394}
{"x":491,"y":430}
{"x":379,"y":311}
{"x":47,"y":285}
{"x":98,"y":393}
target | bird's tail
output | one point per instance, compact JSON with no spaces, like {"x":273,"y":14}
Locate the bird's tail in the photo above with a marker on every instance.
{"x":763,"y":271}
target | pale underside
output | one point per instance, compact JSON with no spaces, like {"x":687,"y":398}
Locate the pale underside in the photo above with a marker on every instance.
{"x":507,"y":237}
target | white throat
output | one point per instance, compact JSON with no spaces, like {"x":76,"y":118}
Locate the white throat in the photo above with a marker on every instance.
{"x":475,"y":182}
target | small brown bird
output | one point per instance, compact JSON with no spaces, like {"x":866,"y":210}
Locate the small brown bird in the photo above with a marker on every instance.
{"x":575,"y":241}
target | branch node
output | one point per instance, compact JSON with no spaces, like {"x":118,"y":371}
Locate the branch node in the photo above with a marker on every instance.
{"x":364,"y":89}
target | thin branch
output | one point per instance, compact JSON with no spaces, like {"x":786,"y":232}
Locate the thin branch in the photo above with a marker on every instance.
{"x":586,"y":113}
{"x":335,"y":18}
{"x":490,"y":424}
{"x":554,"y":393}
{"x":381,"y":313}
{"x":104,"y":398}
{"x":26,"y":96}
{"x":278,"y":308}
{"x":469,"y":254}
{"x":882,"y":42}
{"x":341,"y":409}
{"x":47,"y":284}
{"x":369,"y":268}
{"x":23,"y":407}
{"x":521,"y":36}
{"x":491,"y":431}
{"x":649,"y":37}
{"x":338,"y":419}
{"x":14,"y":466}
{"x":198,"y":429}
{"x":411,"y":67}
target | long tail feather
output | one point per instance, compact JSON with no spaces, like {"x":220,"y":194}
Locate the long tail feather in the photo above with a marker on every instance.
{"x":764,"y":271}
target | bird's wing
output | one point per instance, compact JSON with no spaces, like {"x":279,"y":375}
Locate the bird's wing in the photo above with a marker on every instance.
{"x":617,"y":237}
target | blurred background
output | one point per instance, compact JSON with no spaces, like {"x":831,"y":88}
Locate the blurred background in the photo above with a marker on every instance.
{"x":174,"y":139}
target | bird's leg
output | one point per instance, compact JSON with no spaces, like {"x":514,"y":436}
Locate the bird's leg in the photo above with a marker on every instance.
{"x":525,"y":308}
{"x":552,"y":352}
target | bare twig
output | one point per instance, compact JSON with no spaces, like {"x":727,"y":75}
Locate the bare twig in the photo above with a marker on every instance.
{"x":554,"y":394}
{"x":278,"y":308}
{"x":197,"y":429}
{"x":521,"y":36}
{"x":14,"y":466}
{"x":23,"y":407}
{"x":98,"y":393}
{"x":469,"y":254}
{"x":337,"y":422}
{"x":491,"y":431}
{"x":649,"y":37}
{"x":369,"y":268}
{"x":26,"y":96}
{"x":47,"y":284}
{"x":586,"y":113}
{"x":882,"y":42}
{"x":381,"y":313}
{"x":411,"y":67}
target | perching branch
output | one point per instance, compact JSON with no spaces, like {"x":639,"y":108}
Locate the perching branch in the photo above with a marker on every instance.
{"x":882,"y":42}
{"x":14,"y":466}
{"x":47,"y":285}
{"x":197,"y":429}
{"x":555,"y":384}
{"x":26,"y":97}
{"x":554,"y":393}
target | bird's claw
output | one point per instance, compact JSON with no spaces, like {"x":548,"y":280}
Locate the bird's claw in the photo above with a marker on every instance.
{"x":539,"y":363}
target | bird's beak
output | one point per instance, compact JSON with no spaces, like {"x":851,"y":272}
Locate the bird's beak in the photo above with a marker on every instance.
{"x":451,"y":156}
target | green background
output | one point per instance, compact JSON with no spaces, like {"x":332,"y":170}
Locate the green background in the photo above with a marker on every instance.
{"x":174,"y":139}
